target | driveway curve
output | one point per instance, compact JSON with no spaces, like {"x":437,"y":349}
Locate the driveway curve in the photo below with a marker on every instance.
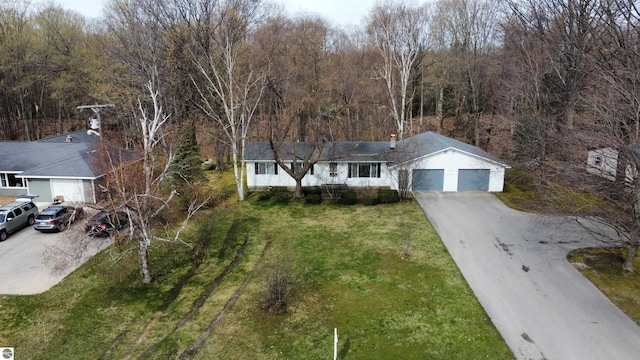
{"x":516,"y":264}
{"x":32,"y":262}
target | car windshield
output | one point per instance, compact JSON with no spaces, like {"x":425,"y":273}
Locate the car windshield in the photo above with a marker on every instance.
{"x":1,"y":218}
{"x":44,"y":217}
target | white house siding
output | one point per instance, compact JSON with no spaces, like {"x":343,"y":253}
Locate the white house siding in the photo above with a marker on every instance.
{"x":321,"y":176}
{"x":451,"y":161}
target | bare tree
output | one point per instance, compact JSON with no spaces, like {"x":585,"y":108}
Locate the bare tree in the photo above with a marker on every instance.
{"x":564,"y":27}
{"x":617,"y":102}
{"x":398,"y":31}
{"x":232,"y":88}
{"x":138,"y":188}
{"x":466,"y":33}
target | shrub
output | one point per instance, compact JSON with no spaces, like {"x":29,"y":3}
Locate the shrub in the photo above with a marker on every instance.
{"x":348,"y":197}
{"x":281,"y":274}
{"x":282,"y":197}
{"x":278,"y":189}
{"x":313,"y":199}
{"x":371,"y":200}
{"x":265,"y":195}
{"x":386,"y":196}
{"x":312,"y":190}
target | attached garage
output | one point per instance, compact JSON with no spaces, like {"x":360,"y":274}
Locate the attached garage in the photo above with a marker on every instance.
{"x":438,"y":163}
{"x":427,"y":179}
{"x":423,"y":162}
{"x":473,"y":179}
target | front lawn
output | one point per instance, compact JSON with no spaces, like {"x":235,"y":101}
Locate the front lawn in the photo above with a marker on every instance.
{"x":379,"y":274}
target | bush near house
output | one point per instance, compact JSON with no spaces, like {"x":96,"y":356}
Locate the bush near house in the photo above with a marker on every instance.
{"x":348,"y":197}
{"x":371,"y":200}
{"x":313,"y":199}
{"x":388,"y":196}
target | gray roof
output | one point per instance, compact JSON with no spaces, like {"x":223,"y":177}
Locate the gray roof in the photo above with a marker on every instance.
{"x":338,"y":151}
{"x":51,"y":157}
{"x":414,"y":147}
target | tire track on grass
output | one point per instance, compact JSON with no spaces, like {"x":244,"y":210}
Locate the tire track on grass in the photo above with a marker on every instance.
{"x":195,"y":346}
{"x":199,"y":302}
{"x":203,"y":246}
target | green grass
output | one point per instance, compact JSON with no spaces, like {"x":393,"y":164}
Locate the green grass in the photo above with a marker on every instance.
{"x":356,"y":277}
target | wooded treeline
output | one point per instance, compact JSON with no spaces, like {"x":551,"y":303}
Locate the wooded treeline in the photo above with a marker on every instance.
{"x":529,"y":74}
{"x":536,"y":82}
{"x":519,"y":77}
{"x":404,"y":64}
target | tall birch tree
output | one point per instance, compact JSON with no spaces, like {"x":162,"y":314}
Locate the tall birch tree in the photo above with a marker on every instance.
{"x":231,"y":89}
{"x":398,"y":31}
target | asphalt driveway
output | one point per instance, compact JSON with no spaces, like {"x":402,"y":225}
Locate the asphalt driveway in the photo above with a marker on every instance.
{"x":516,"y":264}
{"x":32,"y":262}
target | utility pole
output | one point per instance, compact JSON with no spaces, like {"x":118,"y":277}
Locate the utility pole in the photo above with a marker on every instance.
{"x":94,"y":123}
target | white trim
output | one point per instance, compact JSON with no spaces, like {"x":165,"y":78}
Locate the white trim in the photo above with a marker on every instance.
{"x":58,"y":177}
{"x":454,"y":149}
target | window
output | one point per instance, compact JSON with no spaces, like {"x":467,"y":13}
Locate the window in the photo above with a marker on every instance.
{"x":598,"y":160}
{"x":266,"y":169}
{"x":333,"y":169}
{"x":299,"y":166}
{"x":10,"y":181}
{"x":364,"y":170}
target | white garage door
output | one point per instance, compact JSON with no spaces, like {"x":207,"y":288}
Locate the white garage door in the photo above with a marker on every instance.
{"x":72,"y":190}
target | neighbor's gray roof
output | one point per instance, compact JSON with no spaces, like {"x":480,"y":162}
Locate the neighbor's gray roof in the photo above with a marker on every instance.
{"x":51,"y":157}
{"x":407,"y":149}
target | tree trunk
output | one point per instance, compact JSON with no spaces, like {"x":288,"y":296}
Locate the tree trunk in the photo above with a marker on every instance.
{"x":143,"y":259}
{"x":634,"y":242}
{"x":299,"y":194}
{"x":237,"y":171}
{"x":439,"y":109}
{"x":570,"y":115}
{"x":632,"y":249}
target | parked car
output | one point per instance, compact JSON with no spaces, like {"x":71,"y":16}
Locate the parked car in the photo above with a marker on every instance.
{"x":16,"y":215}
{"x":57,"y":217}
{"x":105,"y":223}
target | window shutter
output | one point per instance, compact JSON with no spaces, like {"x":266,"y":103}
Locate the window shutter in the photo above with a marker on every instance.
{"x":257,"y":171}
{"x":275,"y":168}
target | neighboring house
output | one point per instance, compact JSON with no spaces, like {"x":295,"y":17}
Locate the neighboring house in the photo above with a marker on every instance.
{"x":60,"y":166}
{"x":425,"y":162}
{"x":604,"y":162}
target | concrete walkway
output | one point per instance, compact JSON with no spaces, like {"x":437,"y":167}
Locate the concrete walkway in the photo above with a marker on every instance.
{"x":516,"y":264}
